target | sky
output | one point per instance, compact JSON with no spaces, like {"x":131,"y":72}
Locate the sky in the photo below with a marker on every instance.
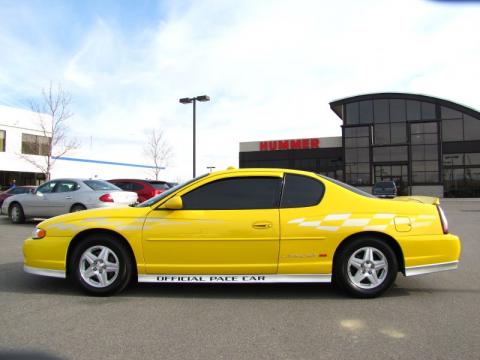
{"x":271,"y":68}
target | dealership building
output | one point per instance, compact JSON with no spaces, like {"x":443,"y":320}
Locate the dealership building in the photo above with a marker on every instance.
{"x":429,"y":146}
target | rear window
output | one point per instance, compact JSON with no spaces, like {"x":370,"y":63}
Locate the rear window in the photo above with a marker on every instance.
{"x":348,"y":187}
{"x":100,"y":185}
{"x":301,"y":191}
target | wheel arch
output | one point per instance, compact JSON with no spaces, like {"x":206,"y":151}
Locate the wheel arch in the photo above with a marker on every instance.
{"x":75,"y":204}
{"x":82,"y":235}
{"x":11,"y":205}
{"x":394,"y":245}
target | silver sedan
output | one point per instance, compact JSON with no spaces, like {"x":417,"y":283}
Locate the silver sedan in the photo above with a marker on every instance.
{"x":61,"y":196}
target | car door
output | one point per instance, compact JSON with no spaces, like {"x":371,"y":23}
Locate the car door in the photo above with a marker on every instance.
{"x":63,"y":197}
{"x":38,"y":203}
{"x":226,"y":226}
{"x":304,"y":245}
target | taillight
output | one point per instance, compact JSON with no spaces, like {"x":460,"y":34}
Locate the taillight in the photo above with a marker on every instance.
{"x":106,"y":198}
{"x":443,"y":219}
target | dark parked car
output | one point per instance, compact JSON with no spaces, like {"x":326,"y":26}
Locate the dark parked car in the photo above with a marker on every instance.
{"x":15,"y":191}
{"x":145,"y":189}
{"x":385,"y":189}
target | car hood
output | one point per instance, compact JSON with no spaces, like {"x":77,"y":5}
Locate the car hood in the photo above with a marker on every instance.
{"x":98,"y":216}
{"x":11,"y":198}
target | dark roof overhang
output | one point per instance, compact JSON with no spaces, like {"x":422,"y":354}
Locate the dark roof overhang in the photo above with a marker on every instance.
{"x":406,"y":96}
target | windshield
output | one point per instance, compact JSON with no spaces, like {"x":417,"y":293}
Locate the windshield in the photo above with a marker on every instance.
{"x":348,"y":187}
{"x":100,"y":185}
{"x":164,"y":194}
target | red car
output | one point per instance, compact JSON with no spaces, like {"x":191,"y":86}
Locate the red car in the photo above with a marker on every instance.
{"x":145,"y":189}
{"x":15,"y":191}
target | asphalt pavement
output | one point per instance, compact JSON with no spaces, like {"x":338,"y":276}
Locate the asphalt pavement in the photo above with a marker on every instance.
{"x":434,"y":316}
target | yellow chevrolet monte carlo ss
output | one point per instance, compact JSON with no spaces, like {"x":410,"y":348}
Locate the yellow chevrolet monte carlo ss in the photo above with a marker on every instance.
{"x":248,"y":226}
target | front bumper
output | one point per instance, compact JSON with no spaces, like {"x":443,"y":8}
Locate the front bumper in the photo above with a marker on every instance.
{"x":46,"y":255}
{"x":45,"y":272}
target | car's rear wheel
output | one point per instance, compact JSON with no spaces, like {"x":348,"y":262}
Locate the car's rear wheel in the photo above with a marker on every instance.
{"x":77,"y":207}
{"x":101,"y":265}
{"x":17,"y":215}
{"x":365,"y":267}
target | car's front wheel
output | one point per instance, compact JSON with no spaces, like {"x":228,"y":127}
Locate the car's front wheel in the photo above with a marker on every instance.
{"x":366,"y":267}
{"x":17,"y":215}
{"x":101,"y":265}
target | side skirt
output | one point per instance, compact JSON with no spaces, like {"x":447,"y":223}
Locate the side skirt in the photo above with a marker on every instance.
{"x":236,"y":279}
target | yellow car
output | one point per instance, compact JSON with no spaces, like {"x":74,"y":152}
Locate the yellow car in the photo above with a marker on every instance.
{"x":248,"y":226}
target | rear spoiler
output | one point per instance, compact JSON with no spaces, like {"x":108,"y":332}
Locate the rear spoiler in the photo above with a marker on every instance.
{"x":421,"y":199}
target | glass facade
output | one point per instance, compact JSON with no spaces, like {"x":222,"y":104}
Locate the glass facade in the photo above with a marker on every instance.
{"x":424,"y":150}
{"x":402,"y":137}
{"x":357,"y":154}
{"x":461,"y":175}
{"x":457,"y":126}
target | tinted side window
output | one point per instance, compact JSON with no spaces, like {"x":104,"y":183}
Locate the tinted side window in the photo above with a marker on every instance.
{"x":66,"y":186}
{"x":235,"y":193}
{"x":301,"y":191}
{"x":47,"y":187}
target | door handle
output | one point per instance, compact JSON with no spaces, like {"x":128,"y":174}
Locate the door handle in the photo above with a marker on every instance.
{"x":262,"y":225}
{"x":68,"y":197}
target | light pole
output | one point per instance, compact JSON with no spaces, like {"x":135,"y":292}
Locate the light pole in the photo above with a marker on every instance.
{"x":194,"y":101}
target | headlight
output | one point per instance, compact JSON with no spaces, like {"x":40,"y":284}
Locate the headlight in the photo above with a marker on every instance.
{"x":38,"y":233}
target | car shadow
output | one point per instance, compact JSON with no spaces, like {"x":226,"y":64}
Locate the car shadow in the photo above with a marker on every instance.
{"x":28,"y":223}
{"x":14,"y":280}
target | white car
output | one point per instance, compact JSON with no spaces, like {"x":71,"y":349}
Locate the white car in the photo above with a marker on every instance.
{"x":62,"y":196}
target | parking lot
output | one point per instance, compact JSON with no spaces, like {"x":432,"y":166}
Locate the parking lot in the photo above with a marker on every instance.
{"x":434,"y":316}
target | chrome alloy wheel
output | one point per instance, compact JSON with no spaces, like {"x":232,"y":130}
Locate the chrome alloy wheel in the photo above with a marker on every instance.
{"x":367,"y":268}
{"x":99,"y":266}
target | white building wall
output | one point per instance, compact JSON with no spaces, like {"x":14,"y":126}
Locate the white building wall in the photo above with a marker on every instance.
{"x":16,"y":122}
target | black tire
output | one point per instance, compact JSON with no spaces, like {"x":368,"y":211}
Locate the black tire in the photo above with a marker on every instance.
{"x":77,"y":207}
{"x":365,"y":276}
{"x":93,"y":277}
{"x":16,"y":214}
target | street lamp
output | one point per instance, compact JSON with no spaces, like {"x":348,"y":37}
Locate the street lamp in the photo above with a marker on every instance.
{"x":210,"y":168}
{"x":194,"y":100}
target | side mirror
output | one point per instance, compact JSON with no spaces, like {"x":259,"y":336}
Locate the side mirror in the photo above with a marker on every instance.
{"x":174,"y":203}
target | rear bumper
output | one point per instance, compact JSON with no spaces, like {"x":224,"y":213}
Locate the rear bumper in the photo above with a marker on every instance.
{"x":427,"y":269}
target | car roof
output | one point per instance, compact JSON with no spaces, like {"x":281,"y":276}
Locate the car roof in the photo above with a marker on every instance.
{"x":76,"y":179}
{"x":246,"y":170}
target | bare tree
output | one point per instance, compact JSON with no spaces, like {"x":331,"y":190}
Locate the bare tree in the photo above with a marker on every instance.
{"x":53,"y":112}
{"x":157,"y":150}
